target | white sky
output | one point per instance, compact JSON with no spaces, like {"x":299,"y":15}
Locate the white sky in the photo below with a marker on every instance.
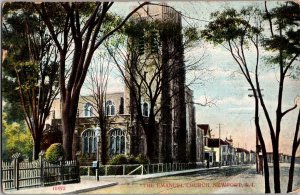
{"x":234,"y":110}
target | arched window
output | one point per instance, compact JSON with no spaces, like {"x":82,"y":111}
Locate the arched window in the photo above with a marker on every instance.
{"x":145,"y":109}
{"x":88,"y":110}
{"x":110,"y":108}
{"x":89,"y":141}
{"x":117,"y":142}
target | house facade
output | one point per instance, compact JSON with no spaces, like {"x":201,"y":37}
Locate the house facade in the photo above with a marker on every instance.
{"x":222,"y":151}
{"x":243,"y":156}
{"x":252,"y":157}
{"x":204,"y":132}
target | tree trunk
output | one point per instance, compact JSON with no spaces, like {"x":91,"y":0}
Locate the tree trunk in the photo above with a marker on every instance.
{"x":68,"y":131}
{"x":263,"y":147}
{"x":67,"y":140}
{"x":294,"y":150}
{"x":291,"y":172}
{"x":37,"y":147}
{"x":266,"y":167}
{"x":104,"y":146}
{"x":266,"y":170}
{"x":152,"y":141}
{"x":276,"y":168}
{"x":150,"y":147}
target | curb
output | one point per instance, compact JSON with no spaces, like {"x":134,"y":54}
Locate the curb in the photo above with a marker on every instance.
{"x":92,"y":188}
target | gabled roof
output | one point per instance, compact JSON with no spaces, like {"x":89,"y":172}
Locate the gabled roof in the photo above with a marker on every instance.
{"x":205,"y":128}
{"x":228,"y":140}
{"x":242,"y":150}
{"x":214,"y":142}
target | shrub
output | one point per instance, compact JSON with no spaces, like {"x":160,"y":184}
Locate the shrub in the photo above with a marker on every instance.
{"x":54,"y":153}
{"x":132,"y":160}
{"x":83,"y":170}
{"x":118,"y":160}
{"x":142,"y":159}
{"x":115,"y":170}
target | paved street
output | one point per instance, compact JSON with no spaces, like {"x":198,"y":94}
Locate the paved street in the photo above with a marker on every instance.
{"x":227,"y":180}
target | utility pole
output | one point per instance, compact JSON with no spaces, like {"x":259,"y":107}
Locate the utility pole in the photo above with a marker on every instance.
{"x":256,"y":141}
{"x":220,"y":159}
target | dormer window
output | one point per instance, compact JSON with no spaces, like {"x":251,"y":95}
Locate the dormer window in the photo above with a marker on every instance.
{"x":88,"y":110}
{"x":110,"y":108}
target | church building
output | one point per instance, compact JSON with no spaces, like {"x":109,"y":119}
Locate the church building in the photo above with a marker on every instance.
{"x":173,"y":110}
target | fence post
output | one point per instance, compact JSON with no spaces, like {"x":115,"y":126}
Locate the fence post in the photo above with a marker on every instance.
{"x":78,"y":170}
{"x":16,"y":169}
{"x":148,"y":169}
{"x":124,"y":169}
{"x":41,"y":159}
{"x":105,"y":169}
{"x":61,"y":171}
{"x":142,"y":169}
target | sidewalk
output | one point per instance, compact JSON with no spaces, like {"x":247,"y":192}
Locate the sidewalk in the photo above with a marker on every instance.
{"x":121,"y":179}
{"x":84,"y":186}
{"x":89,"y":183}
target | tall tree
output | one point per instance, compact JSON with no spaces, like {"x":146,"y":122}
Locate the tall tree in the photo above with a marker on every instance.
{"x":284,"y":42}
{"x":31,"y":66}
{"x":83,"y":28}
{"x":151,"y":64}
{"x":296,"y":143}
{"x":96,"y":83}
{"x":235,"y":31}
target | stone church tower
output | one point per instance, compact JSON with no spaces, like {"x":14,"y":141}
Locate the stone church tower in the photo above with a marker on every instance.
{"x":171,"y":121}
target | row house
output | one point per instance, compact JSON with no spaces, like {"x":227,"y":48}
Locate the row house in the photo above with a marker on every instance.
{"x":204,"y":133}
{"x":283,"y":158}
{"x":231,"y":157}
{"x":223,"y":151}
{"x":252,"y":157}
{"x":243,"y":156}
{"x":212,"y":150}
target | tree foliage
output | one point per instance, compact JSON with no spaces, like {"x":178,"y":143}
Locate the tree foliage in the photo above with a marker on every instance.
{"x":284,"y":41}
{"x":30,"y":67}
{"x":55,"y":153}
{"x":17,"y":139}
{"x":231,"y":25}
